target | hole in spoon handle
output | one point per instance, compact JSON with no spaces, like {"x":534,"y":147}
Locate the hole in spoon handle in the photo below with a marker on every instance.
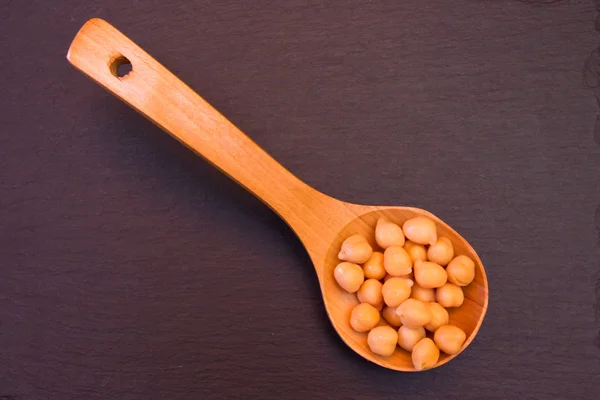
{"x":120,"y":67}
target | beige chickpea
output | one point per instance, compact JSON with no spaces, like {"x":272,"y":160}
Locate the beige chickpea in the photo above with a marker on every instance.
{"x":355,"y":249}
{"x":439,"y":316}
{"x":370,"y":292}
{"x":415,"y":251}
{"x":364,"y":317}
{"x":450,"y":295}
{"x":396,"y":261}
{"x":425,"y":354}
{"x":420,"y":293}
{"x":441,"y":252}
{"x":449,"y":338}
{"x":408,"y":337}
{"x":414,"y":313}
{"x":388,"y":234}
{"x":420,"y":230}
{"x":396,"y":290}
{"x":389,"y":314}
{"x":430,"y":275}
{"x":349,"y":276}
{"x":382,"y":340}
{"x":373,"y":268}
{"x":461,"y":271}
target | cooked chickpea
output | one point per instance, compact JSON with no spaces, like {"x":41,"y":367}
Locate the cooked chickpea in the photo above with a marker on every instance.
{"x":415,"y":251}
{"x":430,"y":275}
{"x":349,"y":276}
{"x":461,"y":271}
{"x":425,"y":354}
{"x":364,"y":317}
{"x":396,"y":290}
{"x":450,"y":295}
{"x":388,"y":234}
{"x":414,"y":313}
{"x":373,"y":268}
{"x":408,"y":337}
{"x":396,"y":261}
{"x":441,"y":252}
{"x":449,"y":338}
{"x":382,"y":340}
{"x":370,"y":292}
{"x":355,"y":249}
{"x":420,"y":293}
{"x":439,"y":316}
{"x":420,"y":230}
{"x":389,"y":314}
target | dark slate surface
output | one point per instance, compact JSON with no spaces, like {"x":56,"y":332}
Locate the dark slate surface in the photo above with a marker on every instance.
{"x":130,"y":269}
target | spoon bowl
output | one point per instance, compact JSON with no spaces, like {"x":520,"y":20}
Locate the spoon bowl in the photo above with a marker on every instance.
{"x":320,"y":221}
{"x":339,"y":303}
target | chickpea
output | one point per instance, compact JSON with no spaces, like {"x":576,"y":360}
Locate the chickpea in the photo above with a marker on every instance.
{"x":388,"y":234}
{"x":349,"y":276}
{"x":389,"y":314}
{"x":449,"y":338}
{"x":450,"y":295}
{"x":408,"y":337}
{"x":425,"y":354}
{"x":373,"y":268}
{"x":430,"y":275}
{"x":396,"y":261}
{"x":364,"y":317}
{"x":414,"y":313}
{"x":461,"y":271}
{"x":415,"y":251}
{"x":439,"y":316}
{"x":396,"y":290}
{"x":370,"y":292}
{"x":420,"y":293}
{"x":355,"y":249}
{"x":441,"y":252}
{"x":382,"y":340}
{"x":420,"y":230}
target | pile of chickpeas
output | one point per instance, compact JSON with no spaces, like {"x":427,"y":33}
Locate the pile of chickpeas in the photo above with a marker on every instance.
{"x":410,"y":283}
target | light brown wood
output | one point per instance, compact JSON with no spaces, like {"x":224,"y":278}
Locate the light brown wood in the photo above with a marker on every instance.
{"x":320,"y":221}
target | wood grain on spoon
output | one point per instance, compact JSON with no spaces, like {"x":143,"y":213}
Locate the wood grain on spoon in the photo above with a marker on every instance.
{"x":320,"y":221}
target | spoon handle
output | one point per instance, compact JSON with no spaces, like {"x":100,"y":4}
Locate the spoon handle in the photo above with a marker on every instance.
{"x":98,"y":49}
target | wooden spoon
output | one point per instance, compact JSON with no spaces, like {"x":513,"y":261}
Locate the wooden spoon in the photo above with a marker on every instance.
{"x":320,"y":221}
